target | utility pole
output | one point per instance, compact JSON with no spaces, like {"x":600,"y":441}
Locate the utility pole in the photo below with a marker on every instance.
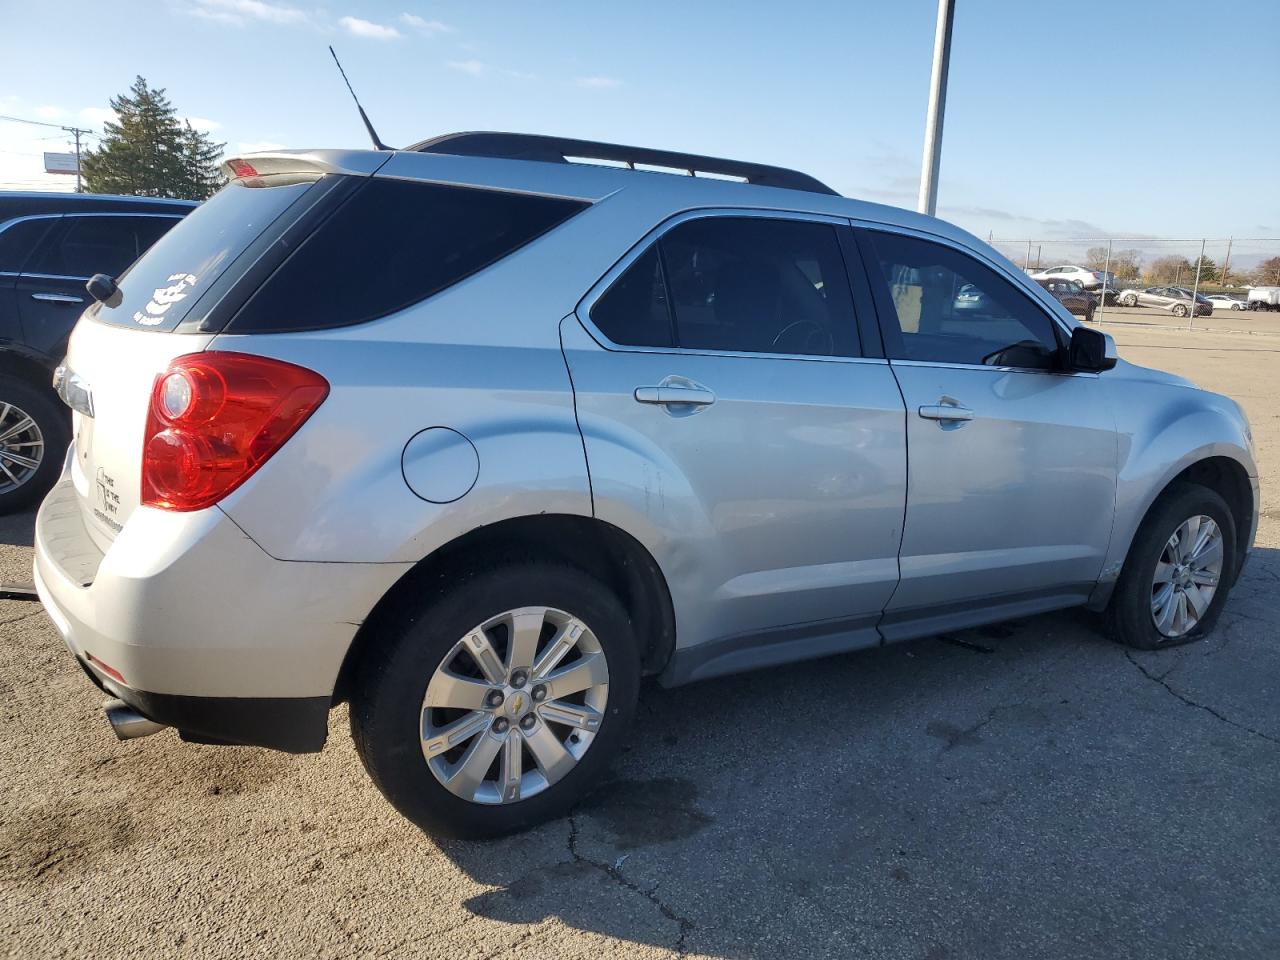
{"x":76,"y":131}
{"x":928,"y":202}
{"x":1226,"y":262}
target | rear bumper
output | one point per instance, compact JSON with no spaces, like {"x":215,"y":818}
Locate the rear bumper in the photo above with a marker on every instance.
{"x":291,"y":724}
{"x":190,"y":622}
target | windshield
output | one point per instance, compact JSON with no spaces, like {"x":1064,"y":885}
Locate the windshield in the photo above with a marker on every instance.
{"x":158,"y":291}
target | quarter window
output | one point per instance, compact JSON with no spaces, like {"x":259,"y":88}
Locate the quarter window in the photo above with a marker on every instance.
{"x":741,"y":284}
{"x":19,"y":240}
{"x":394,"y":243}
{"x":949,"y":308}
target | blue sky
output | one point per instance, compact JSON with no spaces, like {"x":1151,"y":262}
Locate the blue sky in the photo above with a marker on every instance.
{"x":1051,"y":132}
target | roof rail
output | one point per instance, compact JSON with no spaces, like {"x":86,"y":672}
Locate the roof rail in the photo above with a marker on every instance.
{"x":529,"y":146}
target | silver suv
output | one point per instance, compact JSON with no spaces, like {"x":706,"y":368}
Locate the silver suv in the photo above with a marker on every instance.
{"x":475,"y":435}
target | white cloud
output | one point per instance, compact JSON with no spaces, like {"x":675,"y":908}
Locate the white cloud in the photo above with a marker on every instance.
{"x":367,"y":28}
{"x":238,"y":11}
{"x":260,"y":146}
{"x":204,"y":124}
{"x":475,"y":68}
{"x":428,"y":27}
{"x":598,"y":83}
{"x":97,"y":115}
{"x":50,"y":113}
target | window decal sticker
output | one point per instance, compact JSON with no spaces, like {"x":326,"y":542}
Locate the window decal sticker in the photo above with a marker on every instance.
{"x":163,"y":298}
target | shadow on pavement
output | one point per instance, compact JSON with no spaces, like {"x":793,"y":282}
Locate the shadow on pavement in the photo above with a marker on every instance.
{"x":18,"y":529}
{"x":1026,"y":789}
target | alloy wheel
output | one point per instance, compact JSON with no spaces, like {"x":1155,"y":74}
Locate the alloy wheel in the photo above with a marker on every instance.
{"x":21,"y":447}
{"x":1186,"y":576}
{"x":514,"y":705}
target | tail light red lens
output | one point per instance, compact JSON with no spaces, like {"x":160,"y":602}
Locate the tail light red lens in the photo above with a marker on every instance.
{"x":215,"y":418}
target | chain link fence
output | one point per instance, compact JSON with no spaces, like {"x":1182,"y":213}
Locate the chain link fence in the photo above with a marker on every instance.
{"x":1207,"y":266}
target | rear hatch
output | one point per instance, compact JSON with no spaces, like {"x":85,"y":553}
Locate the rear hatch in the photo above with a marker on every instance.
{"x":169,"y":304}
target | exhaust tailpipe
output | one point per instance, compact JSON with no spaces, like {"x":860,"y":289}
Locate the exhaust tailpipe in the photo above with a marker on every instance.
{"x":127,"y":722}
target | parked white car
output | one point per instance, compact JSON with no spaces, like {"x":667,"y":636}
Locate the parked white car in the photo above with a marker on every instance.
{"x":1221,"y":301}
{"x":1089,"y":279}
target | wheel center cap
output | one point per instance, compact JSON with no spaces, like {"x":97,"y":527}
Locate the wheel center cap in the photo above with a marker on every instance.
{"x":518,"y":703}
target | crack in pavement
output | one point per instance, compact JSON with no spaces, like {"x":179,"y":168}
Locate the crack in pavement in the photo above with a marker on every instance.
{"x":26,"y":616}
{"x":684,"y":924}
{"x":1159,"y":679}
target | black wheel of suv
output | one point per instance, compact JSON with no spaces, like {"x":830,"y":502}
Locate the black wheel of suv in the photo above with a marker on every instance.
{"x":1088,"y":313}
{"x":495,"y":703}
{"x":35,"y":430}
{"x":1178,"y":573}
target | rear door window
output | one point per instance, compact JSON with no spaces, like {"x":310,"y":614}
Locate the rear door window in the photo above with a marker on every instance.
{"x":736,"y":284}
{"x":89,"y":244}
{"x":391,"y":244}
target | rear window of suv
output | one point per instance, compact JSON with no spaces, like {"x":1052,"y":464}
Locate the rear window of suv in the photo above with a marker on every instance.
{"x":160,"y":289}
{"x":391,"y":244}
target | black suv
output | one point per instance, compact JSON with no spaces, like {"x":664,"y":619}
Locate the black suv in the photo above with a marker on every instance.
{"x":50,"y":244}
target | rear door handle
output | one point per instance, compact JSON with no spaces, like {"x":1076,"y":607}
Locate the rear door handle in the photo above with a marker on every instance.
{"x":56,"y":298}
{"x":946,"y":412}
{"x":675,"y":393}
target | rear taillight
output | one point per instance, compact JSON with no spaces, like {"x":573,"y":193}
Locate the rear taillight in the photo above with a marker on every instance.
{"x":214,"y":419}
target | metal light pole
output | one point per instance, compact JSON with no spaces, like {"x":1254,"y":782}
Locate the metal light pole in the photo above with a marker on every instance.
{"x":1106,"y":272}
{"x":937,"y":107}
{"x":1195,"y":292}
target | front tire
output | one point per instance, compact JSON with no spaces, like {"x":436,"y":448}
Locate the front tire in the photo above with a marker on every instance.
{"x":1129,"y":301}
{"x":1179,"y":571}
{"x":35,"y":431}
{"x":496,"y":703}
{"x":1179,"y":310}
{"x":1088,"y":313}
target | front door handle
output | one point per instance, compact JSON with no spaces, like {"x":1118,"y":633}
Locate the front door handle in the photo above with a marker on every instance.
{"x":947,"y":412}
{"x":56,"y":298}
{"x":666,"y":393}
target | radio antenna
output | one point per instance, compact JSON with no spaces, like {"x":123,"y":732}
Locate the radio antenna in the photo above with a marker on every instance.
{"x":373,"y":134}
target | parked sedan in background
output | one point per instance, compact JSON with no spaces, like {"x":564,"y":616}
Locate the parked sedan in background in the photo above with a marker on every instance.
{"x":1177,"y":300}
{"x":1072,"y":296}
{"x":1089,"y":279}
{"x":1222,"y":301}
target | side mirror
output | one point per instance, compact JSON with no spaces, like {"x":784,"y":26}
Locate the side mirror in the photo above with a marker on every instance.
{"x":1091,"y":351}
{"x":102,"y":288}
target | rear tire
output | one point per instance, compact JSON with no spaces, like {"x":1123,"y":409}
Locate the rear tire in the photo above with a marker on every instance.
{"x":46,"y":441}
{"x":1179,"y":310}
{"x":390,"y":718}
{"x":1130,"y":615}
{"x":1088,"y":313}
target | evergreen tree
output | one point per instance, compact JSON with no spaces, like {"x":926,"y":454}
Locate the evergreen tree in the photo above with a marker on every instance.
{"x":1208,"y":270}
{"x":146,"y":152}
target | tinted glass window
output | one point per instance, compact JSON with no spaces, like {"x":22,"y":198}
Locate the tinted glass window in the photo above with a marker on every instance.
{"x":163,"y":286}
{"x":392,"y":244}
{"x":952,"y":309}
{"x":19,"y":240}
{"x":98,"y":244}
{"x":759,"y":286}
{"x":633,"y":312}
{"x":742,"y":284}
